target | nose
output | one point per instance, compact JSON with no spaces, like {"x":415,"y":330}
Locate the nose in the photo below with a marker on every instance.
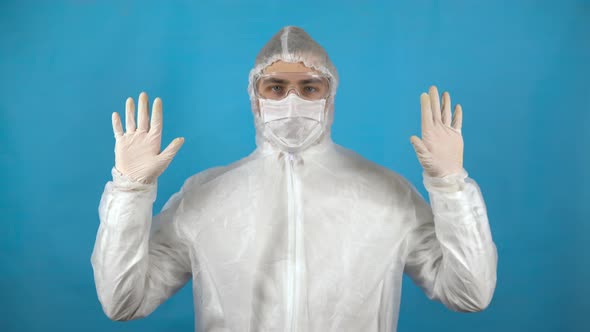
{"x":292,"y":90}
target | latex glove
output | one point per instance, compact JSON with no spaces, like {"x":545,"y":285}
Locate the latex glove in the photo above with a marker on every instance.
{"x":137,"y":151}
{"x":440,"y":151}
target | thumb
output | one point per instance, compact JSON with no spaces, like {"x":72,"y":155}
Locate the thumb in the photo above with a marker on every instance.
{"x":172,"y":148}
{"x":418,"y":145}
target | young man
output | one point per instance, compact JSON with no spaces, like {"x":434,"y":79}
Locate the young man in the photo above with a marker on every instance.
{"x":302,"y":234}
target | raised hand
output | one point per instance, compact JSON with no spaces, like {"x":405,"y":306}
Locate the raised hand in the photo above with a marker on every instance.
{"x":440,"y":151}
{"x":137,"y":151}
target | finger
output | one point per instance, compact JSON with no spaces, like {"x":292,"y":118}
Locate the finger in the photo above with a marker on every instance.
{"x":426,"y":111}
{"x":434,"y":103}
{"x":458,"y":118}
{"x":143,"y":112}
{"x":172,"y":148}
{"x":130,"y":115}
{"x":156,"y":121}
{"x":117,"y":127}
{"x":446,"y":109}
{"x":418,"y":145}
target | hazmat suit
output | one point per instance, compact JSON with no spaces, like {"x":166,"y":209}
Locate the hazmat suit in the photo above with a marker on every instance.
{"x":311,"y":239}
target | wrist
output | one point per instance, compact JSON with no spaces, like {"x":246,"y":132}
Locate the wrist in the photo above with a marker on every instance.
{"x":125,"y":182}
{"x":449,"y":183}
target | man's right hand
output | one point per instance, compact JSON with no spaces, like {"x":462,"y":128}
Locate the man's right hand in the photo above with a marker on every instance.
{"x":137,"y":151}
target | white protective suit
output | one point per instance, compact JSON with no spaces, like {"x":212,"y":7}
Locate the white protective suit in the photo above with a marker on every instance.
{"x":313,"y":241}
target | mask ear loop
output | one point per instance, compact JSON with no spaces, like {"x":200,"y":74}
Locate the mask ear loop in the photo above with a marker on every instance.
{"x":329,"y":104}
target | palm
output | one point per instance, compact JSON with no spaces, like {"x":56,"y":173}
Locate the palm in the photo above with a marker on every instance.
{"x":440,"y":151}
{"x":137,"y":151}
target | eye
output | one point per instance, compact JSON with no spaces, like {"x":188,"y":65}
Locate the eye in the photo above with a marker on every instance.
{"x":309,"y":89}
{"x":276,"y":88}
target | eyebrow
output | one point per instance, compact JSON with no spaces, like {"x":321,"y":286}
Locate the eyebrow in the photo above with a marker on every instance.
{"x":310,"y":80}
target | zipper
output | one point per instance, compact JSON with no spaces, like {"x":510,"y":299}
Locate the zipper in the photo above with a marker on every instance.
{"x":293,"y":221}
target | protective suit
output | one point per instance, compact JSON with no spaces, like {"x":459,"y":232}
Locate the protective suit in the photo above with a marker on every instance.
{"x":312,"y":240}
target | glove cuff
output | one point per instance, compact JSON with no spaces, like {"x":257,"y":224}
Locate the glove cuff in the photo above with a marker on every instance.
{"x":125,"y":183}
{"x":448,"y":183}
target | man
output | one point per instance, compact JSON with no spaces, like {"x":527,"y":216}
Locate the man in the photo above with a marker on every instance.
{"x":302,"y":234}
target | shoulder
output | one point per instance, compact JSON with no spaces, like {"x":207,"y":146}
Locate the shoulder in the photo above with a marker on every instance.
{"x":377,"y":175}
{"x":214,"y":174}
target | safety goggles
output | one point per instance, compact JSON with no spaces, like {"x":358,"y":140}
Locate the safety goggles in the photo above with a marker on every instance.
{"x":276,"y":86}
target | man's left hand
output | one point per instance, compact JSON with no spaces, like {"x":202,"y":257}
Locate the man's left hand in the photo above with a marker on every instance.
{"x":440,"y":151}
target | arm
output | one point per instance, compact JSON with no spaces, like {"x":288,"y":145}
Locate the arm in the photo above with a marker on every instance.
{"x":137,"y":265}
{"x":450,"y":252}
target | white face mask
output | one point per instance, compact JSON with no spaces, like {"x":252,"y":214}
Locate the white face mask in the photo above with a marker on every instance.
{"x":293,"y":123}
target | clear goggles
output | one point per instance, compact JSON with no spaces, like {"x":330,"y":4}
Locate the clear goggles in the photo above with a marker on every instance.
{"x":276,"y":86}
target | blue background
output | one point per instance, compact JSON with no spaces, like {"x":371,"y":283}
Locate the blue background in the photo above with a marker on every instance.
{"x":520,"y":70}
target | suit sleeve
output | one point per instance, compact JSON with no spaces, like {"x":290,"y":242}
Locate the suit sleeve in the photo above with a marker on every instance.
{"x":450,"y":252}
{"x":138,"y":261}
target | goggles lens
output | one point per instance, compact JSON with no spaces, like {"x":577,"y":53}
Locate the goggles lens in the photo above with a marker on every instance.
{"x":277,"y":86}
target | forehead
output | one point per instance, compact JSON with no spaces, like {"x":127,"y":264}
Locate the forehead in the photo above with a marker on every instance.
{"x":288,"y":67}
{"x":291,"y":77}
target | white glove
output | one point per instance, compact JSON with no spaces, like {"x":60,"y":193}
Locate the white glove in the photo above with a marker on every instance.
{"x":137,"y":152}
{"x":440,"y":151}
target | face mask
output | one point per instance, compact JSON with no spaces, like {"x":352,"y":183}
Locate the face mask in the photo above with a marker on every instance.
{"x":292,"y":123}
